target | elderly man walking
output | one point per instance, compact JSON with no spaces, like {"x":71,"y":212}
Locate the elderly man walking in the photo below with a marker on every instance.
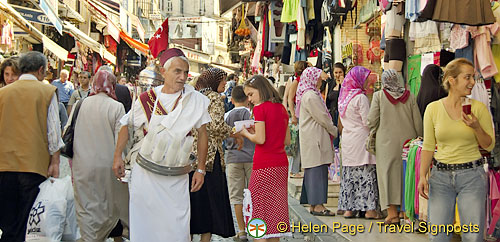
{"x":30,"y":138}
{"x":64,"y":87}
{"x":159,"y":204}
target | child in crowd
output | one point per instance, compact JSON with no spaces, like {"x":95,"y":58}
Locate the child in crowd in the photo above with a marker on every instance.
{"x":238,"y":162}
{"x":266,"y":197}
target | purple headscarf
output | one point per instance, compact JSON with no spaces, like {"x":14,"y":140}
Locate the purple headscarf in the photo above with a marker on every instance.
{"x":352,"y":86}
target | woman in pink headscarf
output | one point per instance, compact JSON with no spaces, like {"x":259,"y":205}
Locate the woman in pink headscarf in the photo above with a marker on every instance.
{"x":101,"y":200}
{"x":316,"y":132}
{"x":358,"y":187}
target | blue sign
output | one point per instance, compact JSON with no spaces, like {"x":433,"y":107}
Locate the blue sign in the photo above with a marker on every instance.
{"x":33,"y":15}
{"x":51,"y":15}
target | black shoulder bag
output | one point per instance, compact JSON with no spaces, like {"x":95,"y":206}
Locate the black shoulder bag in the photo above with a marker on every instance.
{"x":69,"y":134}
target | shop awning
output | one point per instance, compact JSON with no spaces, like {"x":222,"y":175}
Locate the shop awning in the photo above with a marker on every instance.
{"x":91,"y":43}
{"x":228,"y":5}
{"x":228,"y":69}
{"x":144,"y":48}
{"x":48,"y":44}
{"x":69,"y":12}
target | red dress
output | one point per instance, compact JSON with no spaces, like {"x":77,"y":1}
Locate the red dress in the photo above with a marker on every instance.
{"x":267,"y":194}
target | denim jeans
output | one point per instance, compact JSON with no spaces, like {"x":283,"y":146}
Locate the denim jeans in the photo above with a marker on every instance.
{"x":468,"y":188}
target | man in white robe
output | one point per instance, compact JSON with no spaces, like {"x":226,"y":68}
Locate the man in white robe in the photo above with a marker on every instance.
{"x":159,"y":204}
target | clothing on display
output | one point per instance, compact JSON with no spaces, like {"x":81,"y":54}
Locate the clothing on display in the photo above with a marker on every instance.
{"x":483,"y":55}
{"x":426,"y":36}
{"x":394,"y":24}
{"x":414,"y":76}
{"x":395,"y":50}
{"x":290,"y":11}
{"x":431,"y":88}
{"x":474,"y":12}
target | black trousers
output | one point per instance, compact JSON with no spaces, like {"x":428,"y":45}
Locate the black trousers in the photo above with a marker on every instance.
{"x":18,"y":191}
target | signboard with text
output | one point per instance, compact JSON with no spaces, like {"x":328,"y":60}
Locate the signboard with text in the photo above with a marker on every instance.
{"x":33,"y":15}
{"x":47,"y":9}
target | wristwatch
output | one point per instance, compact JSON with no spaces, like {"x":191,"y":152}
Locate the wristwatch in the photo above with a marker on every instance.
{"x":201,"y":171}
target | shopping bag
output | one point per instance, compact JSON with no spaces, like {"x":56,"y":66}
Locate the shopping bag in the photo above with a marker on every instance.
{"x":291,"y":149}
{"x":51,"y":217}
{"x":334,"y":168}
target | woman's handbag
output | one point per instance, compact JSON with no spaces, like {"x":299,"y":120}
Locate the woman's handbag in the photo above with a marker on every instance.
{"x":69,"y":133}
{"x":370,"y":142}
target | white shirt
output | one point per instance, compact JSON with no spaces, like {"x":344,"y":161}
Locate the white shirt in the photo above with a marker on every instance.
{"x":53,"y":122}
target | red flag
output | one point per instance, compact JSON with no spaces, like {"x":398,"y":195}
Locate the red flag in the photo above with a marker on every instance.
{"x":159,"y":41}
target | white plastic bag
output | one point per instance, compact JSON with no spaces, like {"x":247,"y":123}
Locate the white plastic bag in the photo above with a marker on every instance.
{"x":71,"y":230}
{"x":50,"y":217}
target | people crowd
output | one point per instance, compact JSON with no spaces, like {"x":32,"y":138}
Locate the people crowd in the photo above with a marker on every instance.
{"x":174,"y":161}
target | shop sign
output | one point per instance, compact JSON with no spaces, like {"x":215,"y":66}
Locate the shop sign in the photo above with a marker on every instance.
{"x":277,"y":29}
{"x":155,"y":16}
{"x":191,"y":55}
{"x":33,"y":15}
{"x":185,"y":28}
{"x":51,"y":15}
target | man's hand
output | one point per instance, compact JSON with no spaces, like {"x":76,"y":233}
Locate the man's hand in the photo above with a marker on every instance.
{"x":197,"y":183}
{"x":53,"y":170}
{"x":118,"y":167}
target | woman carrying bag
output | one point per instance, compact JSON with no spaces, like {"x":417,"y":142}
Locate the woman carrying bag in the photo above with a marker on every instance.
{"x":394,"y":118}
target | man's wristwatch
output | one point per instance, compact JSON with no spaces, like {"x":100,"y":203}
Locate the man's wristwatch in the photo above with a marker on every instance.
{"x":201,"y":171}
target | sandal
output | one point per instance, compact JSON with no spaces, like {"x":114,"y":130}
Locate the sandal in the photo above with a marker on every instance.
{"x":390,"y":221}
{"x":296,"y":175}
{"x":325,"y":212}
{"x":353,"y":215}
{"x":376,"y":217}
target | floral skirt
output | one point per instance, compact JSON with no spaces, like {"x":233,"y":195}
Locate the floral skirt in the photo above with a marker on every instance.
{"x":358,"y":188}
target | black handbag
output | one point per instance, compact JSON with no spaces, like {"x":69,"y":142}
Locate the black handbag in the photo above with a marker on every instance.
{"x":69,"y":134}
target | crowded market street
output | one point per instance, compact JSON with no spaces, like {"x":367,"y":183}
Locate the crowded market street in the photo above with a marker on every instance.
{"x":247,"y":120}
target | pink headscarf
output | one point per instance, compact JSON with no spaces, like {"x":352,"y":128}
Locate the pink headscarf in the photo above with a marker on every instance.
{"x":104,"y":81}
{"x":352,"y":86}
{"x":308,"y":81}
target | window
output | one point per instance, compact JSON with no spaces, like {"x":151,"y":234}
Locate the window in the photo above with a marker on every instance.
{"x":169,"y":6}
{"x":221,"y":34}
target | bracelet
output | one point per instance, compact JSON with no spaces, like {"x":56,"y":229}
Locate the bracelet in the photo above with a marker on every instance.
{"x":201,"y":171}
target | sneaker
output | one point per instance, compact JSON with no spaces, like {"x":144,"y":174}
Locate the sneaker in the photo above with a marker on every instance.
{"x":241,"y":237}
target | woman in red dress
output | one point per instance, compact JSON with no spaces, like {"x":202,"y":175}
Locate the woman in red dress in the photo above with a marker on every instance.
{"x":267,"y":197}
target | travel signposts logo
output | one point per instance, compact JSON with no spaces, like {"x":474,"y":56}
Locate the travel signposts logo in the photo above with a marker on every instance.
{"x":257,"y":228}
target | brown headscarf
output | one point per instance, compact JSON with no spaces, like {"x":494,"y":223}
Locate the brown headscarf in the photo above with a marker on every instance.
{"x":210,"y":79}
{"x":104,"y":81}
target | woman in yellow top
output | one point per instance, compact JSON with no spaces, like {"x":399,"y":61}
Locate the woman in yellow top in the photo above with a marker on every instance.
{"x":457,"y":174}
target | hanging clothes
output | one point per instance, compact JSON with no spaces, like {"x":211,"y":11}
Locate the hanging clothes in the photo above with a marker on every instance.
{"x":414,"y":76}
{"x":301,"y":27}
{"x":480,"y":93}
{"x":290,"y":11}
{"x":394,"y":24}
{"x":483,"y":55}
{"x":473,"y":12}
{"x":426,"y":37}
{"x":412,"y":8}
{"x":431,"y":88}
{"x":7,"y":34}
{"x":410,"y":183}
{"x":417,"y":179}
